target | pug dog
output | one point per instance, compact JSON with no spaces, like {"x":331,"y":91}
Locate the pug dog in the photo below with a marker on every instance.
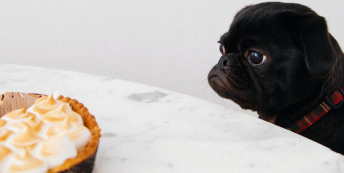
{"x":280,"y":60}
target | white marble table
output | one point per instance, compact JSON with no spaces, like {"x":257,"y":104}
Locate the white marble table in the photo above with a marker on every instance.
{"x":152,"y":130}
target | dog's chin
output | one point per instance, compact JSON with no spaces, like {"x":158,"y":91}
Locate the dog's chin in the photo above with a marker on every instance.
{"x":218,"y":80}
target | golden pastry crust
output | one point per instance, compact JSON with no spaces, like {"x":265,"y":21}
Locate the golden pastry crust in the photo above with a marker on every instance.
{"x":90,"y":150}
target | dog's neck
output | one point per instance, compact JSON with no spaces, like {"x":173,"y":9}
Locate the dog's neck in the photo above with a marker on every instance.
{"x":287,"y":115}
{"x":299,"y":116}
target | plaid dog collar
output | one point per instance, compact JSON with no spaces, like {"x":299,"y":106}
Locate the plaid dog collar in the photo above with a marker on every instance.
{"x":332,"y":101}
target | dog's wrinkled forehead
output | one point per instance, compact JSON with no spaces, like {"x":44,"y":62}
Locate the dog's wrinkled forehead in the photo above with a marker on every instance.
{"x":266,"y":20}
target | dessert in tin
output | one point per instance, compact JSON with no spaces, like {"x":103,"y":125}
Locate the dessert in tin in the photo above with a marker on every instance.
{"x":51,"y":135}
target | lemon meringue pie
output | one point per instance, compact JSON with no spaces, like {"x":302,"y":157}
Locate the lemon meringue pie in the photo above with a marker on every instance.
{"x":51,"y":135}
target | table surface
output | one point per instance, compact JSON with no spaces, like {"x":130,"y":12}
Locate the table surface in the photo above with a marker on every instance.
{"x":153,"y":130}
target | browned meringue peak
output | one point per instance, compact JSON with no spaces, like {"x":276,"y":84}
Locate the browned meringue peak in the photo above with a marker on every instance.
{"x":26,"y":136}
{"x":80,"y":136}
{"x":4,"y":134}
{"x":25,"y":162}
{"x":2,"y":123}
{"x":56,"y":149}
{"x":4,"y":152}
{"x":63,"y":127}
{"x":46,"y":104}
{"x":58,"y":115}
{"x":34,"y":123}
{"x":16,"y":114}
{"x":78,"y":133}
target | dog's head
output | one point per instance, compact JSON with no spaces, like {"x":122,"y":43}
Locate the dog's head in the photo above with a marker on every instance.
{"x":275,"y":56}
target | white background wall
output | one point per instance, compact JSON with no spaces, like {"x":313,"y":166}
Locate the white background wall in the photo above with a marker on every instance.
{"x":170,"y":44}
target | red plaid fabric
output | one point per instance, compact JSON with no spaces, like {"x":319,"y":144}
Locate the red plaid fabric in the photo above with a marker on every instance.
{"x":336,"y":98}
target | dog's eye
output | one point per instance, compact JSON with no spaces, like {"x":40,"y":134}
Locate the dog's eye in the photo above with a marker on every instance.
{"x":222,"y":49}
{"x":256,"y":57}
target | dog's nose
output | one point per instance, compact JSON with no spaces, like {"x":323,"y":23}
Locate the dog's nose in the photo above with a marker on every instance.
{"x":225,"y":61}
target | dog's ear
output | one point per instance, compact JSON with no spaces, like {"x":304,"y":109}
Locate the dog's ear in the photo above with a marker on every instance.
{"x":319,"y":54}
{"x":316,"y":41}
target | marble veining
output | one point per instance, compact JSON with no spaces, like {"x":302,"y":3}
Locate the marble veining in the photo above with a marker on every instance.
{"x":146,"y":129}
{"x":148,"y":97}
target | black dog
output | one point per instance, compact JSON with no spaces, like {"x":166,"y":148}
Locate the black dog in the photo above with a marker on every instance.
{"x":280,"y":60}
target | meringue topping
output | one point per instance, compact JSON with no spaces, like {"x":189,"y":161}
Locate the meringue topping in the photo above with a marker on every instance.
{"x":45,"y":104}
{"x":26,"y":136}
{"x":56,"y":149}
{"x":4,"y":134}
{"x":78,"y":133}
{"x":16,"y":115}
{"x":80,"y":136}
{"x":24,"y":162}
{"x":2,"y":123}
{"x":30,"y":119}
{"x":59,"y":114}
{"x":41,"y":137}
{"x":4,"y":152}
{"x":63,"y":127}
